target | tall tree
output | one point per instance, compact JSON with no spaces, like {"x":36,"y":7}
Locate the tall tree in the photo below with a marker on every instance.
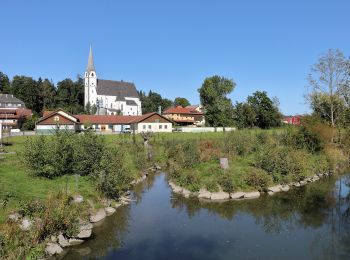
{"x":26,"y":89}
{"x":179,"y":101}
{"x":213,"y":95}
{"x":70,"y":95}
{"x":152,"y":102}
{"x":244,"y":116}
{"x":267,"y":114}
{"x":329,"y":83}
{"x":5,"y":86}
{"x":47,"y":93}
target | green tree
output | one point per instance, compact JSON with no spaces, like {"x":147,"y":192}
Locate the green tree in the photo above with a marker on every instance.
{"x":329,"y":83}
{"x":70,"y":95}
{"x":152,"y":102}
{"x":267,"y":114}
{"x":26,"y":89}
{"x":244,"y":116}
{"x":47,"y":93}
{"x":179,"y":101}
{"x":213,"y":95}
{"x":5,"y":86}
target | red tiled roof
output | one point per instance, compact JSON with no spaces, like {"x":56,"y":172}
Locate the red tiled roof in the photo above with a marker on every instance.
{"x":15,"y":113}
{"x":112,"y":119}
{"x":182,"y":110}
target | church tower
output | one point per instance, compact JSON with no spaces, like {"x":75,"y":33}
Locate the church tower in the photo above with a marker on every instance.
{"x":90,"y":78}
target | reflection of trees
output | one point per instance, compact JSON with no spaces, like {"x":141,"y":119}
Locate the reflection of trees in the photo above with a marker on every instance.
{"x":308,"y":206}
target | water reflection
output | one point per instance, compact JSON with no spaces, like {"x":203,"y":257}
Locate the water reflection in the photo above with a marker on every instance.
{"x":311,"y":222}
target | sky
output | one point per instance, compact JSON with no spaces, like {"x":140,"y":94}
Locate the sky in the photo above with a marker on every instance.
{"x":171,"y":46}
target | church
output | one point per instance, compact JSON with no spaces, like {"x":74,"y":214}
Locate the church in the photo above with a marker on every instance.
{"x":109,"y":97}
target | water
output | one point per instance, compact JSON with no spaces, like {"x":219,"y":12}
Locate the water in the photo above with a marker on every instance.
{"x":312,"y":222}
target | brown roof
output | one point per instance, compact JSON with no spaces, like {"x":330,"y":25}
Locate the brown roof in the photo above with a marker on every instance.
{"x":182,"y":110}
{"x":15,"y":113}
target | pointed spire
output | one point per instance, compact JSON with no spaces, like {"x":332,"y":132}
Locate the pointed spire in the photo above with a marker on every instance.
{"x":90,"y":66}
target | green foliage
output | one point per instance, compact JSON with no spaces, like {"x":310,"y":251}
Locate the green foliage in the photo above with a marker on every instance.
{"x":267,"y":114}
{"x":226,"y":181}
{"x":258,"y":179}
{"x":152,"y":102}
{"x":5,"y":86}
{"x":111,"y":175}
{"x":179,"y":101}
{"x":239,"y":143}
{"x":244,"y":116}
{"x":213,"y":95}
{"x":29,"y":123}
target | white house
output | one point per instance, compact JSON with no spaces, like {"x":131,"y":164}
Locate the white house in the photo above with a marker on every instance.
{"x":108,"y":96}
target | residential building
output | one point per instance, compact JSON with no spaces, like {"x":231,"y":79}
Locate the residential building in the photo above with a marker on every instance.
{"x":185,"y":116}
{"x":108,"y":96}
{"x":292,"y":120}
{"x":54,"y":120}
{"x":12,"y":112}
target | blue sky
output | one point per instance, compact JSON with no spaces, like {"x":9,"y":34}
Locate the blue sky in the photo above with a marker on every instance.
{"x":171,"y":46}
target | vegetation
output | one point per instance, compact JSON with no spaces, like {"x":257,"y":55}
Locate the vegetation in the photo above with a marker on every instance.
{"x":257,"y":159}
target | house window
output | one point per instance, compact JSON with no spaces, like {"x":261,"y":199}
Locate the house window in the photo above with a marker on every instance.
{"x":166,"y":127}
{"x":144,"y":126}
{"x":160,"y":127}
{"x":56,"y":118}
{"x":149,"y":126}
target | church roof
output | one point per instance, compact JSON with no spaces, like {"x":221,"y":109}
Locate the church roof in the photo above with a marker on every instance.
{"x":119,"y":89}
{"x":131,"y":103}
{"x":90,"y":66}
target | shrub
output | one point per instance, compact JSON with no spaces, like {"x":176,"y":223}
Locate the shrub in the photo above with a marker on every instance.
{"x":139,"y":156}
{"x":112,"y":175}
{"x":239,"y":142}
{"x":226,"y":182}
{"x":258,"y":179}
{"x":209,"y":150}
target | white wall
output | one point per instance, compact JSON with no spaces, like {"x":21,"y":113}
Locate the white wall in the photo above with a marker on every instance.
{"x":154,"y":127}
{"x":204,"y":129}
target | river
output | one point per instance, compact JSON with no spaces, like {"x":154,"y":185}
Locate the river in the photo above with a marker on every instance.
{"x":311,"y":222}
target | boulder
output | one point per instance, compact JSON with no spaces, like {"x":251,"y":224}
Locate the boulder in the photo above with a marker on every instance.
{"x":110,"y":211}
{"x":186,"y":193}
{"x":26,"y":224}
{"x":285,"y":188}
{"x":63,"y":241}
{"x":315,"y":178}
{"x":53,"y":249}
{"x":74,"y":241}
{"x":252,"y":195}
{"x":204,"y":194}
{"x":78,"y":199}
{"x":85,"y":231}
{"x":302,"y":183}
{"x":295,"y":184}
{"x":175,"y":188}
{"x":53,"y":239}
{"x":14,"y":217}
{"x":277,"y":188}
{"x":101,"y":214}
{"x":270,"y":192}
{"x":117,"y":205}
{"x":220,"y":196}
{"x":237,"y":195}
{"x":308,"y":179}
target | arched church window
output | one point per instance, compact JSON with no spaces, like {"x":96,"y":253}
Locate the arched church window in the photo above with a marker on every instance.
{"x":92,"y":74}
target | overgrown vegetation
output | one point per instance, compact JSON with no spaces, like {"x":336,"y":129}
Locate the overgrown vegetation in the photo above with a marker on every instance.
{"x":257,"y":159}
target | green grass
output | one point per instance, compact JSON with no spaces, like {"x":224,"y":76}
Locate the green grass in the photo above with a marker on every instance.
{"x":20,"y":186}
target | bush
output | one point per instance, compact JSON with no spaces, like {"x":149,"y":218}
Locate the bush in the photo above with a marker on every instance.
{"x":226,"y":182}
{"x":258,"y":179}
{"x":239,"y":142}
{"x":112,"y":176}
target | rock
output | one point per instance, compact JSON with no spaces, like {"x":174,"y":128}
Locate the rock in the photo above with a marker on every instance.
{"x":101,"y":214}
{"x":63,"y":241}
{"x":224,"y":163}
{"x":53,"y":239}
{"x":252,"y":195}
{"x":295,"y":184}
{"x":110,"y":211}
{"x":308,"y":179}
{"x":78,"y":199}
{"x":302,"y":183}
{"x":204,"y":194}
{"x":14,"y":217}
{"x":315,"y":178}
{"x":270,"y":192}
{"x":220,"y":196}
{"x":74,"y":241}
{"x":158,"y":167}
{"x":237,"y":195}
{"x":26,"y":224}
{"x":285,"y":188}
{"x":117,"y":205}
{"x":186,"y":193}
{"x":53,"y":249}
{"x":175,"y":188}
{"x":85,"y":231}
{"x":277,"y":188}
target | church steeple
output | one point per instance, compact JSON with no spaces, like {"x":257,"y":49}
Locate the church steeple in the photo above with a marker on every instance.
{"x":90,"y":67}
